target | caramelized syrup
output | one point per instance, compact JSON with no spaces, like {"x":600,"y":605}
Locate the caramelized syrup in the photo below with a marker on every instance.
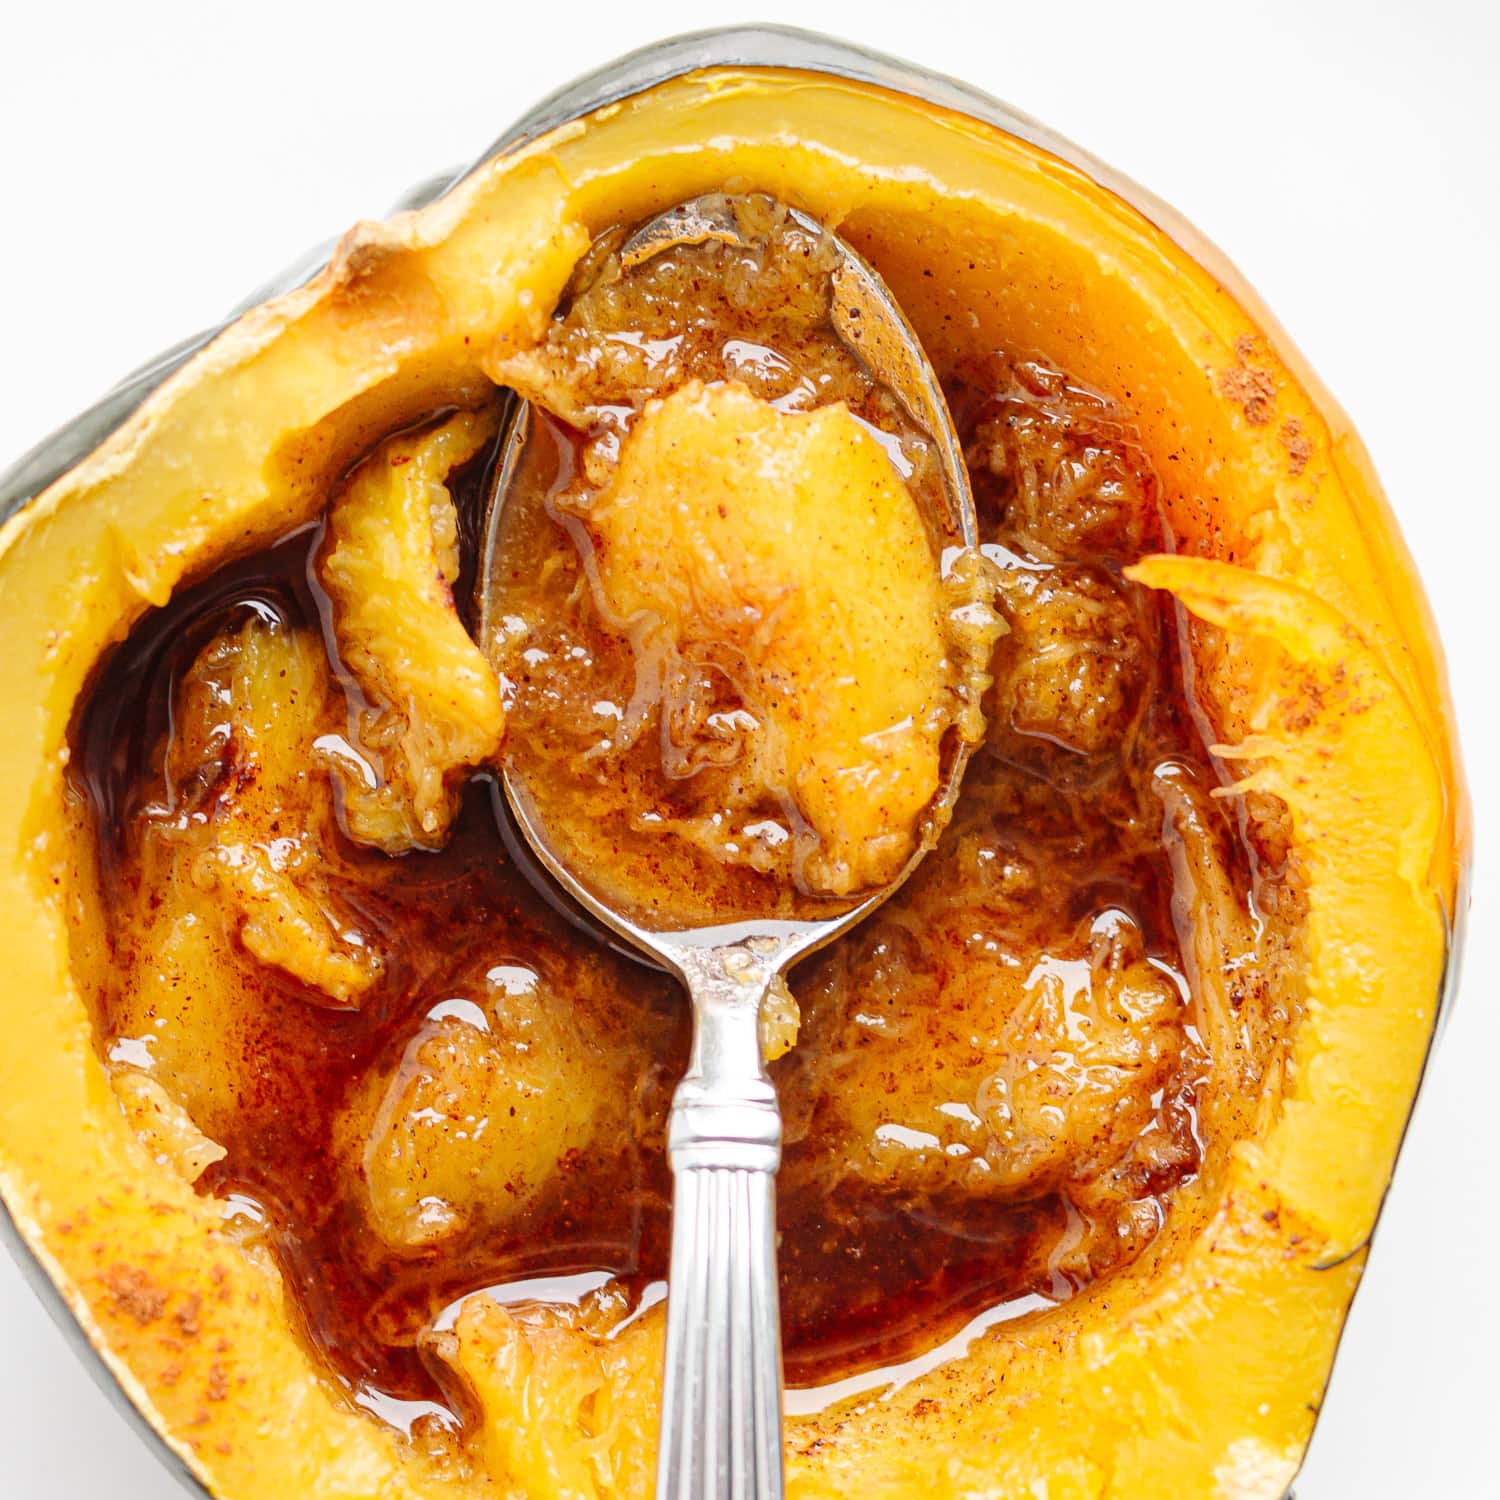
{"x":870,"y":1276}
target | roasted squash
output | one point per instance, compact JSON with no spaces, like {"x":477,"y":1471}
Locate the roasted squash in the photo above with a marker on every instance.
{"x":1196,"y":1370}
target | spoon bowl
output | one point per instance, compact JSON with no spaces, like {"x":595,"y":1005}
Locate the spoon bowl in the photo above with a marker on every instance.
{"x":721,"y":1397}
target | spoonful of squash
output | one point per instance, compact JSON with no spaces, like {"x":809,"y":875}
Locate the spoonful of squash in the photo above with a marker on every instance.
{"x":730,"y":582}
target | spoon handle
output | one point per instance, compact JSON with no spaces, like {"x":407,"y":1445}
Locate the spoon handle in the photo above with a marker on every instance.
{"x":721,"y":1396}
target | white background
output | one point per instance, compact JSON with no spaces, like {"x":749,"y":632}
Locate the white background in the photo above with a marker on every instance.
{"x":160,"y":160}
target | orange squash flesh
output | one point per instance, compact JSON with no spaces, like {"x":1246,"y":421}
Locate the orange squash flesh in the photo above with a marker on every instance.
{"x":1199,"y":1369}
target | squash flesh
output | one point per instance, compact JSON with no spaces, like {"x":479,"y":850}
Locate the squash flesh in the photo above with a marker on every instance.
{"x":472,"y":1129}
{"x":390,"y":570}
{"x":818,"y":537}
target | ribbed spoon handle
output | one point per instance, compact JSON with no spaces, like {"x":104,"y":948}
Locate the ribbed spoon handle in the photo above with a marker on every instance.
{"x":721,"y":1403}
{"x":721,"y":1394}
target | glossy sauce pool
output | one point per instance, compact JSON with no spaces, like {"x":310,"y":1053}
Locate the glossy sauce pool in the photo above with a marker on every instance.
{"x":872,"y":1274}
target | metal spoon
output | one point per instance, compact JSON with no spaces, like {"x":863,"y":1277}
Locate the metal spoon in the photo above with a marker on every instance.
{"x":721,"y":1395}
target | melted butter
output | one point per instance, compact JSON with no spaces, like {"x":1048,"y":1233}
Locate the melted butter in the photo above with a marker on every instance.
{"x":902,"y":1236}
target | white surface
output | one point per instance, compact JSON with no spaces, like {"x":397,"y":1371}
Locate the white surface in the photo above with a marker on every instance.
{"x":160,"y":160}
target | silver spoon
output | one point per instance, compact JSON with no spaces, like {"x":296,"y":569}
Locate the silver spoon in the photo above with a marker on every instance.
{"x":721,"y":1393}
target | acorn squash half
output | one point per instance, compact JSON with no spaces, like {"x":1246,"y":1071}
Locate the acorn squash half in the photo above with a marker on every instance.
{"x":1198,"y":1369}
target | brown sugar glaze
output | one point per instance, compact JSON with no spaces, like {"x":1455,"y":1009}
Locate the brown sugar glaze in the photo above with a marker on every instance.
{"x":1057,"y":859}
